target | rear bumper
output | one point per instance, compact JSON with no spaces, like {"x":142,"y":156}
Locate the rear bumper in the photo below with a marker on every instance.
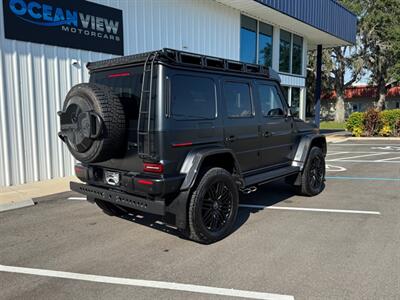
{"x":142,"y":204}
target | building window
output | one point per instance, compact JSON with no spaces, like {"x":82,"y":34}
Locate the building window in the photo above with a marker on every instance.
{"x":285,"y":51}
{"x":238,"y":100}
{"x":397,"y":104}
{"x":192,"y":98}
{"x":248,"y":40}
{"x":355,"y":107}
{"x":295,"y":102}
{"x":290,"y":53}
{"x":297,"y":55}
{"x":265,"y":44}
{"x":253,"y":35}
{"x":285,"y":90}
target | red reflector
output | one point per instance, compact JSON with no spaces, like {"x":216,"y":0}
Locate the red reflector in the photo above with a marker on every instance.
{"x":79,"y":169}
{"x":119,"y":75}
{"x":153,"y":168}
{"x":145,"y":182}
{"x":182,"y":144}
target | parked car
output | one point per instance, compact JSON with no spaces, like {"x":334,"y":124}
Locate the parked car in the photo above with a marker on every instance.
{"x":180,"y":135}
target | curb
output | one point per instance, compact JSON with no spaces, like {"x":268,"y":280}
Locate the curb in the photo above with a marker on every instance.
{"x":374,"y":138}
{"x":16,"y":205}
{"x":18,"y":196}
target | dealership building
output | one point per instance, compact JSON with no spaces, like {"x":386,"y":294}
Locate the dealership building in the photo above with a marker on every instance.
{"x":45,"y":45}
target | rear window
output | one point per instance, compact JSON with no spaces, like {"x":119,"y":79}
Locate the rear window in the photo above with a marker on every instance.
{"x":126,"y":84}
{"x":193,"y":98}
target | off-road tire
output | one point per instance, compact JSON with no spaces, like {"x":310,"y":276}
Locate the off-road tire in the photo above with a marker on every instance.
{"x":110,"y":109}
{"x":109,"y":208}
{"x":307,"y":188}
{"x":197,"y":230}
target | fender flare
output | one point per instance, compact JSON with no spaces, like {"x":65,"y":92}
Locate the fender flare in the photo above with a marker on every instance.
{"x":193,"y":162}
{"x":304,"y":148}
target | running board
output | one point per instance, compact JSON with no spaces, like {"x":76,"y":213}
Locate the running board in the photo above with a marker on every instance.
{"x":270,"y":175}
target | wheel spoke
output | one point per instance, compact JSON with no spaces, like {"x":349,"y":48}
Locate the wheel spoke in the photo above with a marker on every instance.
{"x":207,"y":218}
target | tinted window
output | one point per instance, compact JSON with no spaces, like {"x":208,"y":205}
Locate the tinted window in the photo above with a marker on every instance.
{"x":248,"y":38}
{"x":192,"y":98}
{"x":285,"y":90}
{"x":297,"y":56}
{"x":271,"y":104}
{"x":238,"y":100}
{"x":265,"y":44}
{"x":295,"y":102}
{"x":126,"y":84}
{"x":284,"y":51}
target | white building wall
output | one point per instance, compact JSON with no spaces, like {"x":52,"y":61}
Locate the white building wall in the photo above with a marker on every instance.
{"x":34,"y":78}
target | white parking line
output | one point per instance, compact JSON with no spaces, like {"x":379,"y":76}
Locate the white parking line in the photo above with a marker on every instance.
{"x":337,"y":153}
{"x":350,"y":152}
{"x":382,"y":145}
{"x":364,"y":161}
{"x":344,"y":211}
{"x":147,"y":283}
{"x":77,"y":198}
{"x":388,"y":159}
{"x":359,"y":156}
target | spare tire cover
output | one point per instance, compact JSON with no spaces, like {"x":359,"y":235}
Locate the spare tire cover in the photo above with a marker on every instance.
{"x":93,"y":123}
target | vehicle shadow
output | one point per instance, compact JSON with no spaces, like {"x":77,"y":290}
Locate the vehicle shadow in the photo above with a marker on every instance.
{"x":266,"y":195}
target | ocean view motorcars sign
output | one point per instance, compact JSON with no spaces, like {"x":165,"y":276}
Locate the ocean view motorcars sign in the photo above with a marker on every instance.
{"x":76,"y":24}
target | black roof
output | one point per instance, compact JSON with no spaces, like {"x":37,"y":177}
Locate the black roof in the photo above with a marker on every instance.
{"x":188,"y":59}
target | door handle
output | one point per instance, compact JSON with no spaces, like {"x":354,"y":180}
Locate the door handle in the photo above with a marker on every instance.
{"x":232,"y":138}
{"x":267,"y":134}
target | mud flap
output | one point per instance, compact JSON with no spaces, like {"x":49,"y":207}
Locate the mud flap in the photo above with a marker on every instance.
{"x":177,"y":210}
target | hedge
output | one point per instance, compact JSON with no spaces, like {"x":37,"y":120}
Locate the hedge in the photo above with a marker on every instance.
{"x":373,"y":123}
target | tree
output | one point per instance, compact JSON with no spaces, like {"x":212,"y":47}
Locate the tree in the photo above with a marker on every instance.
{"x":345,"y":59}
{"x":336,"y":62}
{"x":380,"y":36}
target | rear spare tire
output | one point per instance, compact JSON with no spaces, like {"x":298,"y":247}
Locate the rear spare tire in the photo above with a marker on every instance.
{"x":93,"y":123}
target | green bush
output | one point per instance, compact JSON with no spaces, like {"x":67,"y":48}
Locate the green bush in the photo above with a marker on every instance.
{"x":390,"y":118}
{"x":373,"y":123}
{"x":356,"y":120}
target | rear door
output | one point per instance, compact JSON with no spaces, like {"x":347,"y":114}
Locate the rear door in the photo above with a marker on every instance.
{"x":240,"y":123}
{"x":276,"y":125}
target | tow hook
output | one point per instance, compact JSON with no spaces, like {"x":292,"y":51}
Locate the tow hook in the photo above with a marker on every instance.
{"x":249,"y":190}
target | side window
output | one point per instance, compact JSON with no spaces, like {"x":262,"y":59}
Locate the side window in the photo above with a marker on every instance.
{"x":271,"y":104}
{"x":238,"y":99}
{"x":192,"y":98}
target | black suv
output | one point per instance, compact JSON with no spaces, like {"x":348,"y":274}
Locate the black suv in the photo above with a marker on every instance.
{"x":180,"y":134}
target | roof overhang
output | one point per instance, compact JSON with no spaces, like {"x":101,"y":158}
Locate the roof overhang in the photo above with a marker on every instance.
{"x":321,"y":22}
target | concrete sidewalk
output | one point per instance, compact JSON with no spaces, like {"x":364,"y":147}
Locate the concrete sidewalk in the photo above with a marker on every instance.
{"x":18,"y":196}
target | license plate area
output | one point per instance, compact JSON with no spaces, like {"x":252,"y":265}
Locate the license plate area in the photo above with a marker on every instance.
{"x":112,"y":178}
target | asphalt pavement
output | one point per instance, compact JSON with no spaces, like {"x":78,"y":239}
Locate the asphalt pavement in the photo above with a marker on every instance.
{"x":341,"y":244}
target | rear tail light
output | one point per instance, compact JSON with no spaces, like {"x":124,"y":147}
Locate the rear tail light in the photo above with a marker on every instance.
{"x":81,"y":172}
{"x":153,"y":168}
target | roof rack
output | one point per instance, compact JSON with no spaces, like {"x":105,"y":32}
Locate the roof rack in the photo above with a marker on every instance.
{"x":177,"y":57}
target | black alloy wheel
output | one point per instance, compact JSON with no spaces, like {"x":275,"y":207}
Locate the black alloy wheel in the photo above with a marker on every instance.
{"x":217,"y":206}
{"x":317,"y":171}
{"x":213,"y":206}
{"x":313,"y":175}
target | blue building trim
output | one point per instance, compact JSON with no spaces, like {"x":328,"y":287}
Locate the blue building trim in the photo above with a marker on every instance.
{"x":326,"y":15}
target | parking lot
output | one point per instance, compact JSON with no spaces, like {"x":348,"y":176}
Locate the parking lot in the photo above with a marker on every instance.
{"x":342,"y":244}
